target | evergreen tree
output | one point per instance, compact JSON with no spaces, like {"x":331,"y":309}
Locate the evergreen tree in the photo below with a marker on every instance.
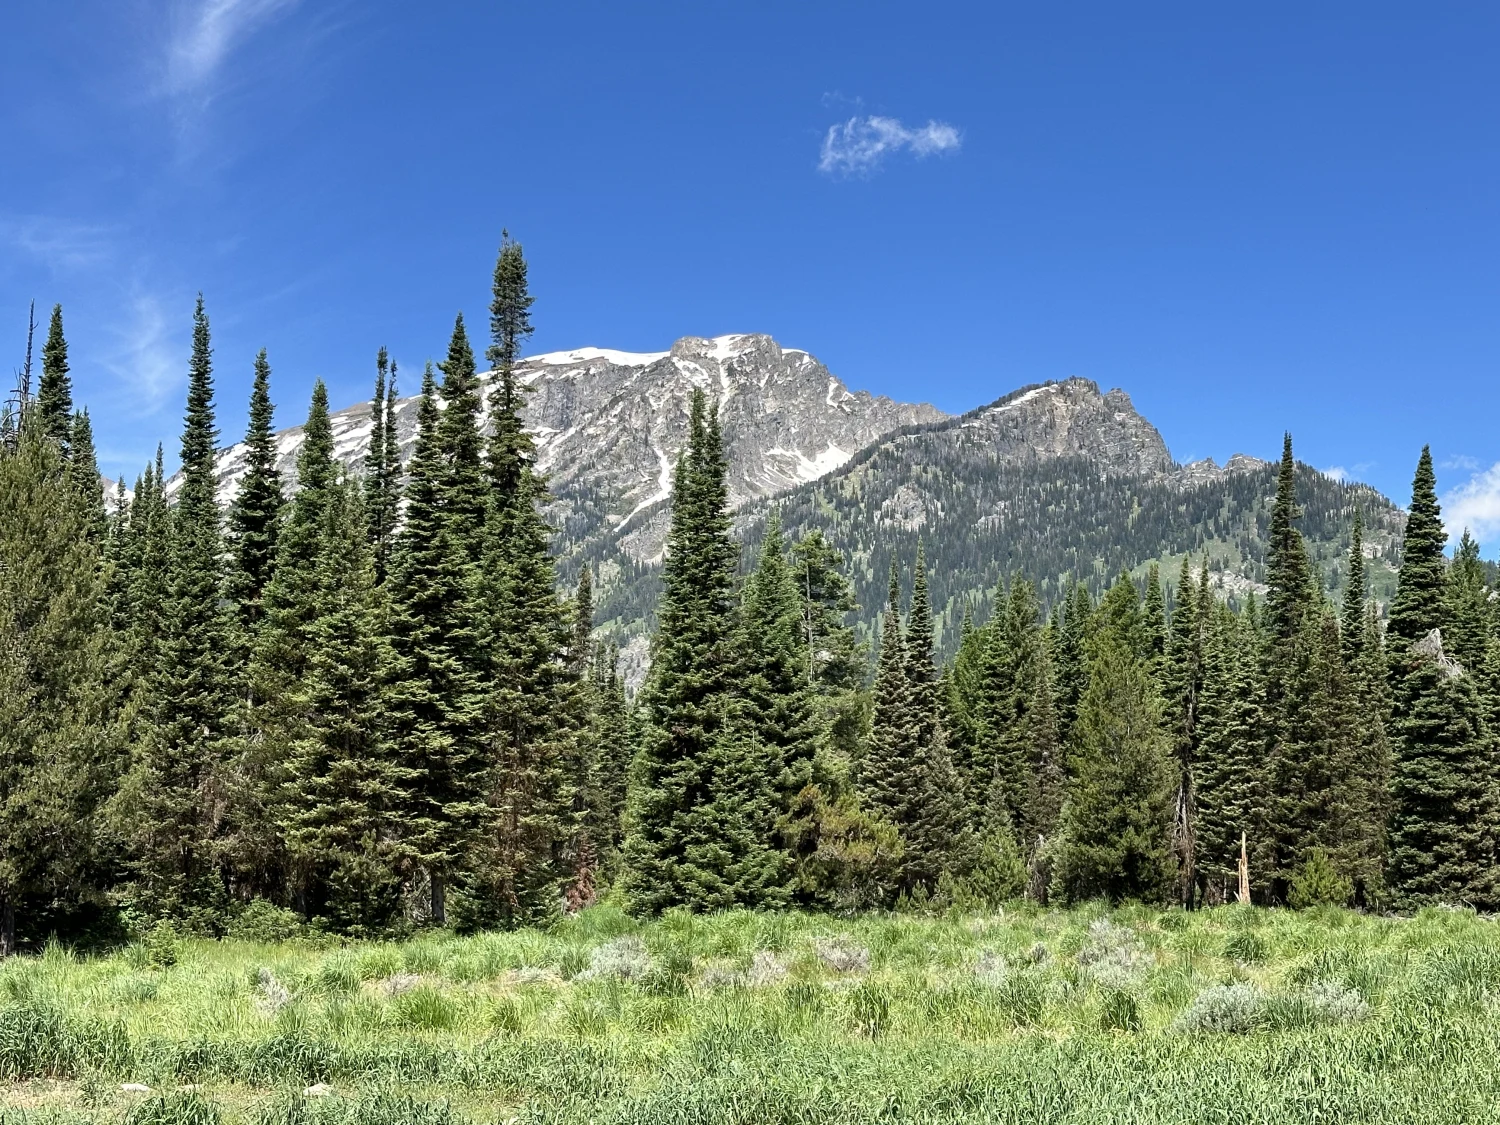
{"x":1352,"y":620}
{"x":700,"y":811}
{"x":172,"y":802}
{"x":464,"y":496}
{"x":383,"y":466}
{"x":1154,"y":617}
{"x":886,"y":770}
{"x":434,"y":686}
{"x":1046,"y":776}
{"x":1468,"y":612}
{"x":1442,"y":780}
{"x":934,"y":832}
{"x":774,"y":684}
{"x":836,"y":657}
{"x":535,"y":714}
{"x":83,"y":472}
{"x":279,"y":671}
{"x":54,"y":394}
{"x":1072,"y":655}
{"x":1287,"y":572}
{"x":1228,"y":769}
{"x":338,"y":805}
{"x":1369,"y":776}
{"x":256,"y":511}
{"x":1182,"y":684}
{"x":59,"y":737}
{"x":1117,"y":823}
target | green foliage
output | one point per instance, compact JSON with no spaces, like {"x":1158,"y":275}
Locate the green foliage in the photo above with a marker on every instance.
{"x":1317,"y":882}
{"x":264,"y":922}
{"x":1117,"y":821}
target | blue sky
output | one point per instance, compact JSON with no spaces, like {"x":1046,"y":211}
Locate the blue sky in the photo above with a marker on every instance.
{"x":1283,"y":216}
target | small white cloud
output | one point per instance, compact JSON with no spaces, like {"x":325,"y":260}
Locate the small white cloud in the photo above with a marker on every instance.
{"x":1460,"y":461}
{"x":858,"y":146}
{"x":206,"y":32}
{"x":1475,"y":505}
{"x":1335,"y":472}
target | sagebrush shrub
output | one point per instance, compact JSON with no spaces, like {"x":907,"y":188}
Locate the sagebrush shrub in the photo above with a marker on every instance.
{"x":1230,"y":1009}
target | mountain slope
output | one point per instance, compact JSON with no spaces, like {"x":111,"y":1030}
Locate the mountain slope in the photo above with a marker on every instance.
{"x":608,"y":426}
{"x":1061,"y":483}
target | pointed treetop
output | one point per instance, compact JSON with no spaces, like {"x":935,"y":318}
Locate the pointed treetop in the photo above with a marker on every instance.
{"x":54,"y":399}
{"x":1417,"y":608}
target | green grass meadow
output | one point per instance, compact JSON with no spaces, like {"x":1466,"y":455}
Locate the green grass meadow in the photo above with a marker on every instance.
{"x":1089,"y":1015}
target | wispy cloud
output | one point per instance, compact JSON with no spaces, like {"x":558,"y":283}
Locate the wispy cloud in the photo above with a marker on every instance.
{"x":1475,"y":505}
{"x":1335,"y":472}
{"x":147,"y":362}
{"x":861,"y":144}
{"x":59,"y":244}
{"x":203,"y":36}
{"x":1460,"y":461}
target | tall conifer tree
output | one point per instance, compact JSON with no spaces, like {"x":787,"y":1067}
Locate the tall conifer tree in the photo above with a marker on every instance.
{"x":1442,"y":781}
{"x":435,"y":689}
{"x":256,"y":511}
{"x":54,"y":393}
{"x":174,"y":816}
{"x":700,"y":812}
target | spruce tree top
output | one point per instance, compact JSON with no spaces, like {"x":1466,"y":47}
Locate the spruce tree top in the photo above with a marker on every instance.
{"x":1287,"y":570}
{"x":54,"y":399}
{"x":199,"y":435}
{"x":1417,"y":608}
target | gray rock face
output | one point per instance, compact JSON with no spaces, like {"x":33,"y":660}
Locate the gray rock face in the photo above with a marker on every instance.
{"x":1070,"y":419}
{"x":608,"y":427}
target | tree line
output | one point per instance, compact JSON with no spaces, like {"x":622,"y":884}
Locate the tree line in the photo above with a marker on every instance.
{"x":360,"y":696}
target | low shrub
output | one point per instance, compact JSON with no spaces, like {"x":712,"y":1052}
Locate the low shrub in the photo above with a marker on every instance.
{"x":266,"y":923}
{"x":1228,"y":1009}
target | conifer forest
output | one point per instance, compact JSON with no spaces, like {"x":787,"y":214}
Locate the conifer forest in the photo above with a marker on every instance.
{"x":338,"y":789}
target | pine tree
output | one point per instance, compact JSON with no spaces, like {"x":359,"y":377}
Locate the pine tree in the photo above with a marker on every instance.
{"x":464,"y":496}
{"x":60,"y":744}
{"x":1046,"y":775}
{"x":54,"y":394}
{"x":1468,"y":612}
{"x":433,"y":683}
{"x":935,"y":832}
{"x":1072,"y":656}
{"x":836,"y":657}
{"x":535,"y":713}
{"x":774,"y":682}
{"x":1369,"y":775}
{"x":1352,"y":620}
{"x":278,"y":676}
{"x":1117,"y":823}
{"x":172,"y":804}
{"x":1154,"y":618}
{"x":1291,"y":628}
{"x":338,"y":803}
{"x":700,"y":811}
{"x":383,"y":466}
{"x":886,"y":770}
{"x":1287,"y":572}
{"x":1182,"y":683}
{"x":1442,"y":781}
{"x":83,"y":472}
{"x":1228,"y":769}
{"x":255,"y":514}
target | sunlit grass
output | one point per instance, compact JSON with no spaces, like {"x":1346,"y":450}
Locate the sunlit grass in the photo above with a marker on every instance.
{"x":1028,"y":1015}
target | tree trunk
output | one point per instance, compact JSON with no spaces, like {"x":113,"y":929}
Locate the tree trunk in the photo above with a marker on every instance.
{"x":439,"y":900}
{"x":7,"y":927}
